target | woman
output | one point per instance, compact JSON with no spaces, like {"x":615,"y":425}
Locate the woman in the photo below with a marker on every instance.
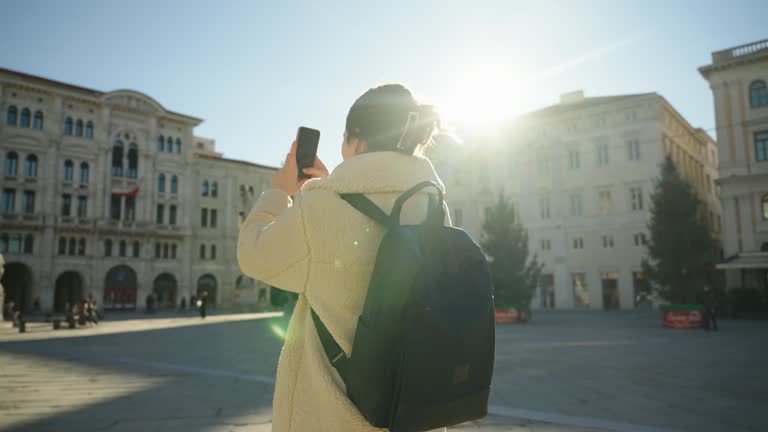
{"x":324,"y":250}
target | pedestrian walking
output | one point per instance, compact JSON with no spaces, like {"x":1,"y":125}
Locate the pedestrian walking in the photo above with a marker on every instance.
{"x":710,"y":309}
{"x":183,"y":303}
{"x":192,"y":302}
{"x":202,"y":303}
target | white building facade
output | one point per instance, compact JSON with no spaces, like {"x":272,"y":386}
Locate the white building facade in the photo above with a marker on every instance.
{"x":738,"y":78}
{"x":580,"y":174}
{"x":109,"y":194}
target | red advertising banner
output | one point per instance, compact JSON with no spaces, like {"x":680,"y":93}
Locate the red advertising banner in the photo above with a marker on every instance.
{"x":683,"y":319}
{"x":510,"y":316}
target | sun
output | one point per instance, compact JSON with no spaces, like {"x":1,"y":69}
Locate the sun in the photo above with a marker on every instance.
{"x":483,"y":96}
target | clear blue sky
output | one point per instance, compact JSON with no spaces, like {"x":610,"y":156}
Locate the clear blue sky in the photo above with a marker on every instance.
{"x":255,"y":70}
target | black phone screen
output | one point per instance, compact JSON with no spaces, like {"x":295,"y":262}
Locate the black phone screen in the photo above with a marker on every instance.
{"x":306,"y":149}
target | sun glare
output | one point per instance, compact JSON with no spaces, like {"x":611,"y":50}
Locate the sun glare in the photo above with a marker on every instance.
{"x":483,"y":96}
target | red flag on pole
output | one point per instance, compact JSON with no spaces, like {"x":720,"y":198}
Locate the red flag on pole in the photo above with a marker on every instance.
{"x":133,"y":192}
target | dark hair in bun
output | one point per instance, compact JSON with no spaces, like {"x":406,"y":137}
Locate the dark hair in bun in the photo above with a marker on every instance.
{"x":389,"y":118}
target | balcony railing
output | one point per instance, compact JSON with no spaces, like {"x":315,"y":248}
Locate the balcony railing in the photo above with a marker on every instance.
{"x":739,"y":51}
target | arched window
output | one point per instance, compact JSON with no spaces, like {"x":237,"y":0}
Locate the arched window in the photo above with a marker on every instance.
{"x":11,"y":118}
{"x":69,"y":170}
{"x":11,"y":163}
{"x":174,"y":184}
{"x":169,"y":144}
{"x":38,"y":122}
{"x":81,"y":247}
{"x":89,"y":130}
{"x":30,"y":166}
{"x":26,"y":116}
{"x":107,"y":247}
{"x":133,"y":161}
{"x":85,"y":173}
{"x":123,"y":248}
{"x":161,"y":183}
{"x":136,"y":249}
{"x":29,"y":243}
{"x":758,"y":94}
{"x":160,"y":143}
{"x":177,"y":146}
{"x":205,"y":188}
{"x":214,"y":189}
{"x":68,"y":126}
{"x":72,"y":249}
{"x":765,"y":207}
{"x":79,"y":128}
{"x":117,"y":159}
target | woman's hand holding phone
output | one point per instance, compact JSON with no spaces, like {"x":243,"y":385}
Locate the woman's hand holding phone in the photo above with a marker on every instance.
{"x":287,"y":178}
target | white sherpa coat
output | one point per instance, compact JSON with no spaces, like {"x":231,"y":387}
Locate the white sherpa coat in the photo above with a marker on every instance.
{"x":323,"y":249}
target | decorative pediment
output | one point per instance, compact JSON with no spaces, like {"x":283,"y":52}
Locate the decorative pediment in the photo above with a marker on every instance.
{"x":132,"y":101}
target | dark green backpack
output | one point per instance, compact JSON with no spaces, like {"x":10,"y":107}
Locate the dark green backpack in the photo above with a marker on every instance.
{"x":424,"y":346}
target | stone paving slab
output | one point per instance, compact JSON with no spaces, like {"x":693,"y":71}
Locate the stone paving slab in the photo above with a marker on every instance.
{"x":563,"y":372}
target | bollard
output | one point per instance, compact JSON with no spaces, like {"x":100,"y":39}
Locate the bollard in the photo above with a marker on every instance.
{"x":22,"y":326}
{"x":56,"y":324}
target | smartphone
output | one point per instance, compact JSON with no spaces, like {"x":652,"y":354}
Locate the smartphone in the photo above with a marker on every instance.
{"x":306,"y":149}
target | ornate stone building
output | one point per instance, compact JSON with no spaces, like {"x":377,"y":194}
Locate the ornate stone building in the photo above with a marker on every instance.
{"x":110,"y":194}
{"x":580,"y":174}
{"x":738,"y":78}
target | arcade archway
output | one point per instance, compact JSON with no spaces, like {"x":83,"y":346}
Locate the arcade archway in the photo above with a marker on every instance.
{"x":69,"y":290}
{"x":208,"y":284}
{"x":120,"y":288}
{"x":17,"y":284}
{"x":165,"y":288}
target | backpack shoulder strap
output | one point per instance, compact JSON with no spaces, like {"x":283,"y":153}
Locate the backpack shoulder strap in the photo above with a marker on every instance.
{"x":333,"y":351}
{"x":365,"y":206}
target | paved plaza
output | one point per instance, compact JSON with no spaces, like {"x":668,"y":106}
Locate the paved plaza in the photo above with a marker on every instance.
{"x":565,"y":371}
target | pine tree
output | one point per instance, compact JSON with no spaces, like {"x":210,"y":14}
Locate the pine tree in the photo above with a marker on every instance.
{"x":505,"y":241}
{"x":681,"y":250}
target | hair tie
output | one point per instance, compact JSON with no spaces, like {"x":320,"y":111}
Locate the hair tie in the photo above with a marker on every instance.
{"x":413,"y":117}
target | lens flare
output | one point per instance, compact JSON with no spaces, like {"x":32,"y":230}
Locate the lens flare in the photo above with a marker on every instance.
{"x":278,"y":331}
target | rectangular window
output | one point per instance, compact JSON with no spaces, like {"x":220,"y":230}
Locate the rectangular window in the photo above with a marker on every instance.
{"x":633,"y":148}
{"x":640,"y":239}
{"x":574,"y":159}
{"x":213,"y":218}
{"x":82,"y":206}
{"x":62,"y":245}
{"x":606,"y":203}
{"x":115,"y":207}
{"x":202,"y":251}
{"x":173,"y":251}
{"x":166,"y":251}
{"x":172,"y":215}
{"x":458,"y":218}
{"x":578,"y":243}
{"x":204,"y":217}
{"x":544,"y":210}
{"x":761,"y":146}
{"x":9,"y":200}
{"x":130,"y":208}
{"x":213,"y":252}
{"x":28,"y":202}
{"x":81,"y":247}
{"x":576,"y":205}
{"x":546,"y":245}
{"x":160,"y":215}
{"x":158,"y":250}
{"x":607,"y":242}
{"x":66,"y":205}
{"x":602,"y":154}
{"x":637,"y":198}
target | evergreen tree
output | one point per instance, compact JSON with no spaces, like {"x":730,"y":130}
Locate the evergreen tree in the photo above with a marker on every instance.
{"x":681,"y":250}
{"x":505,"y":242}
